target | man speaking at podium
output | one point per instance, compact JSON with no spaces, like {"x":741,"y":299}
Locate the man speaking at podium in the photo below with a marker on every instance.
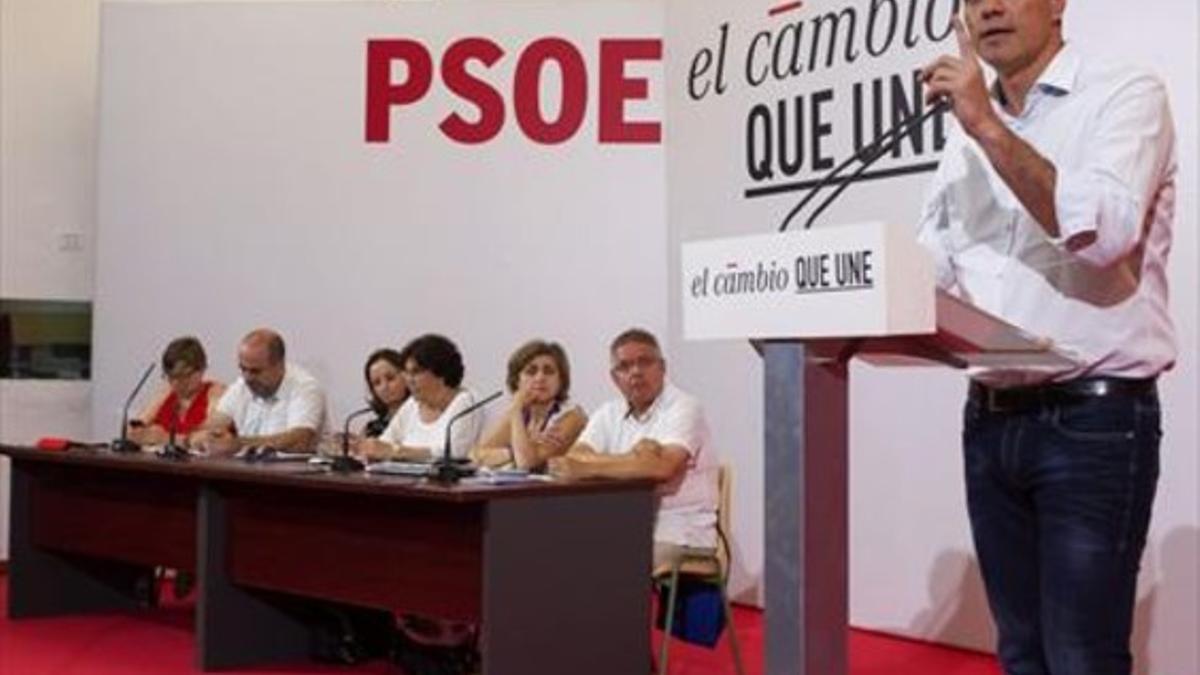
{"x":1052,"y":208}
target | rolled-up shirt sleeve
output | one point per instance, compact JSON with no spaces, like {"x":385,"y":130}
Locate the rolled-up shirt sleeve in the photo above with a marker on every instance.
{"x":1101,"y":203}
{"x":931,"y":234}
{"x":933,"y":226}
{"x":684,"y":426}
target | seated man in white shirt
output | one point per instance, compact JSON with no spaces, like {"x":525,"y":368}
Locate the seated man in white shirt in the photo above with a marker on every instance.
{"x":657,"y":431}
{"x":272,"y":404}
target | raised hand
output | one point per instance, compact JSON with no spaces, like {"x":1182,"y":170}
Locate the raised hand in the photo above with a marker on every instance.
{"x":960,"y":80}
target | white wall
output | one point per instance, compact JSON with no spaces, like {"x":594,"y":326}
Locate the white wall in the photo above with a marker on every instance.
{"x":1163,"y":34}
{"x":30,"y":409}
{"x":707,"y":176}
{"x":49,"y":55}
{"x":244,"y":194}
{"x":47,"y":195}
{"x":913,"y":570}
{"x":47,"y":148}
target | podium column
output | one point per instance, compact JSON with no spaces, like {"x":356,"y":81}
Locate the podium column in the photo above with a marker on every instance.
{"x":806,"y":488}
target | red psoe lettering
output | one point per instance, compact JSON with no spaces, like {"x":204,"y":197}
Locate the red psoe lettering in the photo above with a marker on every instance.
{"x":527,"y":90}
{"x":467,"y":86}
{"x":382,"y":94}
{"x":616,"y":89}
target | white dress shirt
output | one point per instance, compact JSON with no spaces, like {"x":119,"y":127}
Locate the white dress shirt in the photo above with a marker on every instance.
{"x":299,"y":402}
{"x":687,"y":513}
{"x":407,"y":429}
{"x":1108,"y":132}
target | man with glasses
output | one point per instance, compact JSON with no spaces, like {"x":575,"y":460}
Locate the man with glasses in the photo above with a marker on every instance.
{"x":272,"y":405}
{"x":657,"y":431}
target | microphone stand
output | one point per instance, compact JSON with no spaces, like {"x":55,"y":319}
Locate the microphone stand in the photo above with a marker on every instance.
{"x":449,"y":470}
{"x":123,"y":444}
{"x":344,"y":463}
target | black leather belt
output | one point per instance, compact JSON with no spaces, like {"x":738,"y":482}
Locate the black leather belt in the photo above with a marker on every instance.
{"x":1013,"y":399}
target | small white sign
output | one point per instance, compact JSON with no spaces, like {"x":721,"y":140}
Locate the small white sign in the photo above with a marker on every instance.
{"x":862,"y":280}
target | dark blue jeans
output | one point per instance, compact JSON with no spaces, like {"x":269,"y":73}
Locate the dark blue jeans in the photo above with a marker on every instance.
{"x":1059,"y":496}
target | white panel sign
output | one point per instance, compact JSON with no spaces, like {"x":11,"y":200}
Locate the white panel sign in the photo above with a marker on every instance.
{"x":858,"y":280}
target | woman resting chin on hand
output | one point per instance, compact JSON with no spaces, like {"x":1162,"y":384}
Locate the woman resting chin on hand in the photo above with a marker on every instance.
{"x":540,"y":421}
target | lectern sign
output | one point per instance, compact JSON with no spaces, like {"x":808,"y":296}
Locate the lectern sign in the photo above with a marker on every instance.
{"x":862,"y":280}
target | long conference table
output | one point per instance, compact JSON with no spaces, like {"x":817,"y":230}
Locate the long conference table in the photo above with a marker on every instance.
{"x":554,"y":573}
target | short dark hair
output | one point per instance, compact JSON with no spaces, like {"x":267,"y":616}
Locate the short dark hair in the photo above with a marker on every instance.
{"x":639,"y":335}
{"x":383,"y":354}
{"x":185,"y":350}
{"x":438,"y":355}
{"x":275,"y":348}
{"x":530,"y":351}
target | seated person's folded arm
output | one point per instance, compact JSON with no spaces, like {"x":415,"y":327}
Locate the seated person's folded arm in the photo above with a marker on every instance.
{"x":647,"y":459}
{"x":582,"y":451}
{"x":533,"y":452}
{"x":650,"y":459}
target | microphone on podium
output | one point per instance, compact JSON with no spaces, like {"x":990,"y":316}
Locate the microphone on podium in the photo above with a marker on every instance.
{"x":867,"y":155}
{"x":450,"y":470}
{"x":123,"y":444}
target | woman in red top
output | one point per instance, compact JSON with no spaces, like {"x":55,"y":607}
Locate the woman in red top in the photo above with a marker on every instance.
{"x":185,"y":403}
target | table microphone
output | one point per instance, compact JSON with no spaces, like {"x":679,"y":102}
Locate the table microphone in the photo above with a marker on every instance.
{"x":344,"y":463}
{"x":449,"y":469}
{"x":868,"y":155}
{"x":123,"y":444}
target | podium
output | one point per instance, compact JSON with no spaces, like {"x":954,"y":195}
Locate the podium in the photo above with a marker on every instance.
{"x":809,"y":302}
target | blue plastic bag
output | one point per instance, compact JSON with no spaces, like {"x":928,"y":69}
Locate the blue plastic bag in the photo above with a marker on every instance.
{"x":699,"y":618}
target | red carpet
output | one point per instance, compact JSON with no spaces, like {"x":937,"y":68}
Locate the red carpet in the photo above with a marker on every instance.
{"x":160,"y":643}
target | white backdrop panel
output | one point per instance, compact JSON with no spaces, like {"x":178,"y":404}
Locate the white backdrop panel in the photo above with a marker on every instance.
{"x":913,"y":570}
{"x":236,"y":190}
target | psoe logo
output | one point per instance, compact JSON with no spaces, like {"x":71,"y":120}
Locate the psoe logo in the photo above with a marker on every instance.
{"x":412,"y":61}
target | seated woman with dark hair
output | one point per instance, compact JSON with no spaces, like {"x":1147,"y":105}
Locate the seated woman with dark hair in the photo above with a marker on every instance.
{"x":386,"y":391}
{"x":540,"y":422}
{"x":433,"y":372}
{"x":185,"y":403}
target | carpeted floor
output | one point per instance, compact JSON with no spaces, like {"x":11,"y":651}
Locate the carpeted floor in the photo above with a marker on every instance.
{"x":160,"y":643}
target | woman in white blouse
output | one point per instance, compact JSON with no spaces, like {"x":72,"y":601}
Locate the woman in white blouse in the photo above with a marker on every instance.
{"x":433,"y":371}
{"x":540,"y":422}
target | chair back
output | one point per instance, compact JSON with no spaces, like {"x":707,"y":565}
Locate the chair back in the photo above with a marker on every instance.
{"x":724,"y":499}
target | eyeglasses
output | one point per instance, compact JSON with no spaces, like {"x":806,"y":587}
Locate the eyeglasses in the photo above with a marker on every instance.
{"x":626,"y":366}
